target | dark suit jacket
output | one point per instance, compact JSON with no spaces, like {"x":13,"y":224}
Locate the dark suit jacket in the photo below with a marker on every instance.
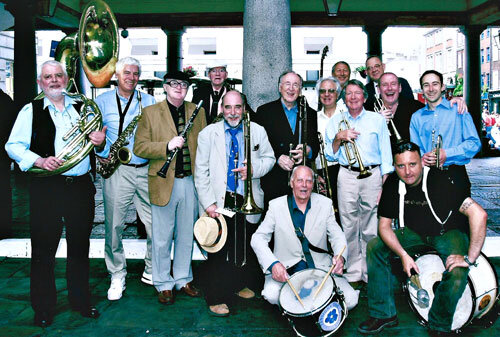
{"x":8,"y":116}
{"x":203,"y":92}
{"x":402,"y":117}
{"x":272,"y":117}
{"x":370,"y":87}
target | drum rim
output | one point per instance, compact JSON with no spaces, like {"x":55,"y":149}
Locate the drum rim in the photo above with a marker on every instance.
{"x":308,"y":313}
{"x":471,"y":317}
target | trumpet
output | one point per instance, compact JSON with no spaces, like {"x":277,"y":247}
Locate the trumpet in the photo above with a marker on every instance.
{"x":378,"y":107}
{"x":437,"y":144}
{"x":352,"y":152}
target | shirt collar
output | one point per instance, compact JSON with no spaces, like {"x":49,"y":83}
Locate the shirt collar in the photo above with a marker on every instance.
{"x":295,"y":207}
{"x":293,"y":109}
{"x":363,"y":112}
{"x":67,"y":102}
{"x":121,"y":97}
{"x":444,"y":102}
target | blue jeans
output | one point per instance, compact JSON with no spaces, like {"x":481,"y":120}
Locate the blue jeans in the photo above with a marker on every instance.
{"x":450,"y":289}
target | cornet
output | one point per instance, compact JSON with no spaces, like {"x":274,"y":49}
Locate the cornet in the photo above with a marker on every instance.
{"x":378,"y":107}
{"x":352,"y":152}
{"x":437,"y":144}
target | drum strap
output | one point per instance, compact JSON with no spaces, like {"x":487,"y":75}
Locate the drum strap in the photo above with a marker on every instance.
{"x":402,"y":193}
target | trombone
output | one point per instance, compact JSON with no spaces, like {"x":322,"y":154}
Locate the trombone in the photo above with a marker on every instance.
{"x":352,"y":152}
{"x":324,"y":165}
{"x":378,"y":107}
{"x":249,"y":206}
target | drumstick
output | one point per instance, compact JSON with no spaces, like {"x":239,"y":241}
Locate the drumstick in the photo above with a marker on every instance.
{"x":295,"y":292}
{"x":328,"y":274}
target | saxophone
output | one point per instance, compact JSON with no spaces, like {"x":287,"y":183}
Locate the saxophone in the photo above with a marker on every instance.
{"x":119,"y":153}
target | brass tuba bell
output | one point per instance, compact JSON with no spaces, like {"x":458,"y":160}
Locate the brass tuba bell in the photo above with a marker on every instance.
{"x":97,"y":42}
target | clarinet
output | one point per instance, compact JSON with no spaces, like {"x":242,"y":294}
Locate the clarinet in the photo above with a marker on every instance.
{"x":171,"y":155}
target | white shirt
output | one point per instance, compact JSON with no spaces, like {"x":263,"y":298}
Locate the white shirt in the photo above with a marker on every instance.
{"x":323,"y":120}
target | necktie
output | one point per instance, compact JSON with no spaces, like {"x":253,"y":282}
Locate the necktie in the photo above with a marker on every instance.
{"x":233,"y":155}
{"x":215,"y":103}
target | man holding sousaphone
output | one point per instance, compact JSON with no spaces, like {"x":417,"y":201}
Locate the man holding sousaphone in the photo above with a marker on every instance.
{"x":66,"y":192}
{"x":174,"y":203}
{"x":222,"y":180}
{"x":433,"y":212}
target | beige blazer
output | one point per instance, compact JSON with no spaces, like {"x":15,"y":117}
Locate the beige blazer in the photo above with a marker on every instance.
{"x":155,"y":129}
{"x":211,"y":165}
{"x":320,"y":226}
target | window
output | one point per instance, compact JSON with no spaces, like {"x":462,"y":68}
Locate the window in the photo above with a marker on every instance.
{"x":482,"y":80}
{"x":312,"y":75}
{"x":144,"y":46}
{"x":314,"y":45}
{"x":482,"y":35}
{"x":488,"y":80}
{"x":488,"y":54}
{"x":482,"y":56}
{"x":487,"y":33}
{"x":202,"y":46}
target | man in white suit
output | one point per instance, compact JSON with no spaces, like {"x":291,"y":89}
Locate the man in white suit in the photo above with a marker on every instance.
{"x":220,"y":176}
{"x":303,"y":224}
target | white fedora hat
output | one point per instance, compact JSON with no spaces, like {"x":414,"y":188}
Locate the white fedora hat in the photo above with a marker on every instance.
{"x":211,"y":233}
{"x":216,"y":64}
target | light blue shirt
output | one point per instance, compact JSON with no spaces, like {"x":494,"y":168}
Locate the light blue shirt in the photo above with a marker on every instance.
{"x":460,"y":139}
{"x":291,"y":115}
{"x":241,"y":153}
{"x":18,"y":145}
{"x":373,"y":142}
{"x":111,"y":118}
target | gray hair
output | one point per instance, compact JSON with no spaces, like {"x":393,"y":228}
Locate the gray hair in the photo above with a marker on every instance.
{"x":51,"y":63}
{"x":127,"y":61}
{"x":286,"y":72}
{"x":357,"y":83}
{"x":329,"y":78}
{"x":294,"y":171}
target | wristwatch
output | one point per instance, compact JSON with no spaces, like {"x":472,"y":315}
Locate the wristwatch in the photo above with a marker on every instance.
{"x":466,"y":258}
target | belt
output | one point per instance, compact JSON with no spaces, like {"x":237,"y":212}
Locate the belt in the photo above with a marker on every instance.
{"x":69,"y":180}
{"x":137,"y":165}
{"x":453,"y":167}
{"x":182,"y":175}
{"x":356,"y":169}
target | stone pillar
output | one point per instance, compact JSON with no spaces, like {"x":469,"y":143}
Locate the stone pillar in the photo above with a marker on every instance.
{"x":25,"y":72}
{"x":374,"y":39}
{"x":472,"y":67}
{"x":174,"y":47}
{"x":267,"y":50}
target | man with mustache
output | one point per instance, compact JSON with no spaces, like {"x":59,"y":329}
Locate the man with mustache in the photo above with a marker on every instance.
{"x":437,"y":213}
{"x":438,"y":118}
{"x":282,"y":122}
{"x":342,"y":72}
{"x":358,"y":198}
{"x":174,"y":204}
{"x":129,"y":183}
{"x":35,"y":139}
{"x":220,"y":183}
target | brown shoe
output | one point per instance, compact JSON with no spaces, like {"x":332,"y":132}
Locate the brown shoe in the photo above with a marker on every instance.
{"x":166,"y":297}
{"x":219,"y":310}
{"x":190,"y":290}
{"x":246,"y":293}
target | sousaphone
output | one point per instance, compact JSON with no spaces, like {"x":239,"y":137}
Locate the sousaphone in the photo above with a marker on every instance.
{"x":97,"y":46}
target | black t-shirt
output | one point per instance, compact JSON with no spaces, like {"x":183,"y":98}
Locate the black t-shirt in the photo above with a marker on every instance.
{"x":444,"y":195}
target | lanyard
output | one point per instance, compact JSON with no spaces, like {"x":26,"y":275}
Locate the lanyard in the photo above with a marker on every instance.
{"x":122,"y":114}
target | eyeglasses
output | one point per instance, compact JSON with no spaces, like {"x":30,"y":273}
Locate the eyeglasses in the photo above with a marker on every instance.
{"x":330,"y":91}
{"x":376,"y":66}
{"x":175,"y":84}
{"x":217,"y":70}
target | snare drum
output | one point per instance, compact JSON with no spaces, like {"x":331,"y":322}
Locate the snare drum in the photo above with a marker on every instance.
{"x":478,"y":298}
{"x":321,"y":316}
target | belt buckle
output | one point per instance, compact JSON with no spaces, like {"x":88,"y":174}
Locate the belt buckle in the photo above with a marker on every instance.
{"x":69,"y":180}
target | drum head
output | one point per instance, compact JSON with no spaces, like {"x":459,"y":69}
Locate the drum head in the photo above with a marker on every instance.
{"x":306,"y":282}
{"x":431,"y":269}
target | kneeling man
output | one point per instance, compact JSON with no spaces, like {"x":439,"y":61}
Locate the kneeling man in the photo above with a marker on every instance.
{"x":303,"y":224}
{"x":436,"y":212}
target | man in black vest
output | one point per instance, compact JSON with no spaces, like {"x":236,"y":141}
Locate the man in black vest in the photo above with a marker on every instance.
{"x":35,"y":139}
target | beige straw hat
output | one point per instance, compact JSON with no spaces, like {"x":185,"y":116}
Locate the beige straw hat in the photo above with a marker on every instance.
{"x":211,"y":233}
